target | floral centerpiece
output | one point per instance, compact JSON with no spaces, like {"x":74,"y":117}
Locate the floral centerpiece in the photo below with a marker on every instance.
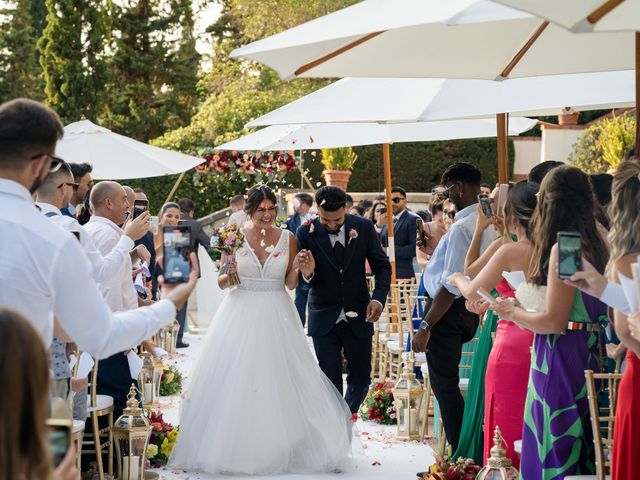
{"x":163,"y":437}
{"x":228,"y":240}
{"x":379,"y":406}
{"x":447,"y":469}
{"x":232,"y":162}
{"x":171,"y":381}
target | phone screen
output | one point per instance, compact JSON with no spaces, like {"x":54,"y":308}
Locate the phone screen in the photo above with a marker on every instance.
{"x":485,"y":204}
{"x":569,"y":254}
{"x":139,"y":207}
{"x":59,"y":439}
{"x":176,"y":249}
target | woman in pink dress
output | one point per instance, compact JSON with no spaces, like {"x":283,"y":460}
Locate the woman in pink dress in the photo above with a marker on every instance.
{"x":509,"y":362}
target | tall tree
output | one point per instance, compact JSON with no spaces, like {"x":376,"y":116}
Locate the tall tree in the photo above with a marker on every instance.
{"x":155,"y":67}
{"x":73,"y":46}
{"x":20,"y":74}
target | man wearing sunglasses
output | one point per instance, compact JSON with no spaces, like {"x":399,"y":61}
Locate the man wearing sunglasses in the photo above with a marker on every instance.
{"x":405,"y":227}
{"x":45,"y":273}
{"x":446,"y":324}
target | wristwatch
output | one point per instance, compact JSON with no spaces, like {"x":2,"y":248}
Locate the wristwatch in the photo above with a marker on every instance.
{"x":425,"y":326}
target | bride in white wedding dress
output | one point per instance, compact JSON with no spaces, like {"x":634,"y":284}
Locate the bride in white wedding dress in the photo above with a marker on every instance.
{"x":257,"y":402}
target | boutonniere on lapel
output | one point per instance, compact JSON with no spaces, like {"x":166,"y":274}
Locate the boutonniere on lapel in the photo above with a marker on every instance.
{"x":353,"y":234}
{"x":309,"y":223}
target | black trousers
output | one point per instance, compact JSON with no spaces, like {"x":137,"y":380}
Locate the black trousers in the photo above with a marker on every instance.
{"x":456,"y":327}
{"x":181,"y":317}
{"x":357,"y":351}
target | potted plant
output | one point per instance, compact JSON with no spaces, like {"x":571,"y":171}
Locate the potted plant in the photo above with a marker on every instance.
{"x":338,"y":163}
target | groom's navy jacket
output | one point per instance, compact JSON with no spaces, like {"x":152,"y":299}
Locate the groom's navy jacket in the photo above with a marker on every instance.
{"x":335,"y":287}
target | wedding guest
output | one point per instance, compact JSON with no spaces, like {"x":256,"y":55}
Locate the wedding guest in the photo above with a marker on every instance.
{"x":24,"y":444}
{"x":378,"y":215}
{"x":147,"y":241}
{"x":601,"y":184}
{"x":404,"y":226}
{"x":349,"y":203}
{"x":537,"y":173}
{"x":302,"y":203}
{"x":485,"y":189}
{"x":357,"y":210}
{"x":433,"y":231}
{"x":238,"y":216}
{"x":45,"y":273}
{"x":447,"y":324}
{"x":557,"y":440}
{"x":169,"y":217}
{"x":624,"y":240}
{"x":83,"y":181}
{"x":198,"y":237}
{"x":507,"y":369}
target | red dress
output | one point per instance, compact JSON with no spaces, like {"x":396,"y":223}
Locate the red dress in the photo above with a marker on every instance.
{"x":506,"y":382}
{"x":626,"y":431}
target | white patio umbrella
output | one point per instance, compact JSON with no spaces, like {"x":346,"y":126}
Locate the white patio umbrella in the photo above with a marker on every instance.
{"x":116,"y":157}
{"x":593,"y":19}
{"x":391,"y":100}
{"x":332,"y":135}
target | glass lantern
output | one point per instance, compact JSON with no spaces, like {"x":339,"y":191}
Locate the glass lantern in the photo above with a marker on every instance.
{"x":131,"y":434}
{"x":407,"y":395}
{"x":169,"y":337}
{"x":149,"y":380}
{"x":498,"y":466}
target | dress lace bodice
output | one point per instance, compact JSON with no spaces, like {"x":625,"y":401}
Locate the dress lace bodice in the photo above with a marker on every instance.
{"x":267,"y":277}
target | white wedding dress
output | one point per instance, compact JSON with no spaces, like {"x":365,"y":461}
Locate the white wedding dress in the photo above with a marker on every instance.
{"x":257,"y":402}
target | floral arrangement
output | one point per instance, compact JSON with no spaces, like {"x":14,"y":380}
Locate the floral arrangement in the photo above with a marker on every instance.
{"x":171,"y":381}
{"x":447,"y":469}
{"x":251,"y":163}
{"x":163,"y":438}
{"x":378,"y":406}
{"x":228,"y":240}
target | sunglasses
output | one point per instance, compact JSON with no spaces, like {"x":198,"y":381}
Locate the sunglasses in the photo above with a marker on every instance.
{"x":397,"y":199}
{"x":69,"y":184}
{"x":56,"y":162}
{"x":446,"y":193}
{"x":451,"y":214}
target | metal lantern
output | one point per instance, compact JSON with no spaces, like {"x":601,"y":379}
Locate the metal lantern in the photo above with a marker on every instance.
{"x":131,"y":434}
{"x":169,"y":337}
{"x":407,"y":395}
{"x":498,"y":466}
{"x":149,"y":380}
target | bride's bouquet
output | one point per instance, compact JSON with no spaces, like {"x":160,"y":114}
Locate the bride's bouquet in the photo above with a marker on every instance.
{"x":228,"y":240}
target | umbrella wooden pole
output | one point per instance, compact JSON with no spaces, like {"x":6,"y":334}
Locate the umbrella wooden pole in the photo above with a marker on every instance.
{"x":386,"y":158}
{"x":637,"y":146}
{"x":503,"y":148}
{"x":175,"y":187}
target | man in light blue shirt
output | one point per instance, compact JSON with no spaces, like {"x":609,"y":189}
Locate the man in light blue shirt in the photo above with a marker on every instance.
{"x":447,"y":324}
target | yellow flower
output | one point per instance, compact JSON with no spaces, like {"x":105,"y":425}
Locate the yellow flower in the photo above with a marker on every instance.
{"x":173,"y":434}
{"x":434,"y":469}
{"x":152,"y":451}
{"x":167,"y":447}
{"x":169,"y":377}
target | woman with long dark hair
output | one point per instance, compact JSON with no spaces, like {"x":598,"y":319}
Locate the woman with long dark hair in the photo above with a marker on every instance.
{"x":557,"y":439}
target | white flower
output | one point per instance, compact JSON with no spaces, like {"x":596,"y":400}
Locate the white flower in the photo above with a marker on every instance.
{"x":351,"y":314}
{"x":262,"y":243}
{"x":269,"y":249}
{"x":263,"y":232}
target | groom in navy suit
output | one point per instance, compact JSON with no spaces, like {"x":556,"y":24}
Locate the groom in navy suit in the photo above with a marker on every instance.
{"x":334,"y":249}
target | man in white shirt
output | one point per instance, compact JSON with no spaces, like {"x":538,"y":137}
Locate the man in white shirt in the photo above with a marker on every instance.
{"x":110,"y":205}
{"x":54,"y":194}
{"x":44,"y":271}
{"x":447,"y":324}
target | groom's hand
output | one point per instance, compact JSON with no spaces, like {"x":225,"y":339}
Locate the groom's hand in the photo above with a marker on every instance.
{"x":307,"y":263}
{"x":374,"y":309}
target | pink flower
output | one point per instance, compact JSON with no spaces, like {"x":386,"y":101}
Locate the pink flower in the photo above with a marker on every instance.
{"x":309,"y":224}
{"x":353,"y":234}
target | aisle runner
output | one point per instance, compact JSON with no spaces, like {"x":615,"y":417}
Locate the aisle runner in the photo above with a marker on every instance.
{"x":382,"y":457}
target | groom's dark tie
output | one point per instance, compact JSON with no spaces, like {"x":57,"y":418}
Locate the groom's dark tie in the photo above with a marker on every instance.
{"x":338,"y":250}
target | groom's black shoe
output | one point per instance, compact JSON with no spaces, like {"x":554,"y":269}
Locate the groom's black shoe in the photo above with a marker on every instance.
{"x":182,"y":344}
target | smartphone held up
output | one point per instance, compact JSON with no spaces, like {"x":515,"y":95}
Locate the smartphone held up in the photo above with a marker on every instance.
{"x":59,"y":431}
{"x":485,"y":205}
{"x":176,"y":248}
{"x":139,"y":207}
{"x":569,"y":254}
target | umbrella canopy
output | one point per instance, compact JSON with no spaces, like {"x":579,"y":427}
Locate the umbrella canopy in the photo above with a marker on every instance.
{"x":585,"y":15}
{"x":116,"y":157}
{"x":439,"y":39}
{"x":389,"y":100}
{"x":333,"y":135}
